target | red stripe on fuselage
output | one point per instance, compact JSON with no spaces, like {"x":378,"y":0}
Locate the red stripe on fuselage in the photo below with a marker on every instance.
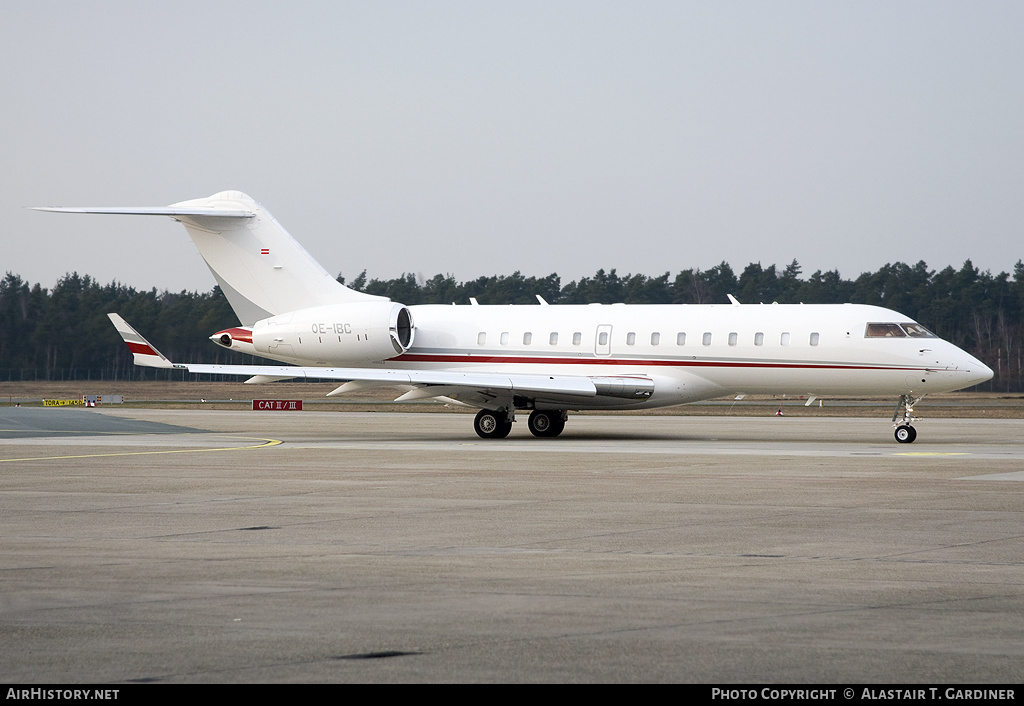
{"x":492,"y":359}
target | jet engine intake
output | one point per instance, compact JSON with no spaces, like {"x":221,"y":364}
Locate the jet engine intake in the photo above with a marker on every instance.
{"x":238,"y":339}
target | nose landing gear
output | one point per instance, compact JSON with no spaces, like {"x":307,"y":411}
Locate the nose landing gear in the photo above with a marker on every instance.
{"x":903,"y":417}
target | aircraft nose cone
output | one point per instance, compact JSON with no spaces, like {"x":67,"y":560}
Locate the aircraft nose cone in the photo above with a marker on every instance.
{"x":981,"y":372}
{"x":974,"y":372}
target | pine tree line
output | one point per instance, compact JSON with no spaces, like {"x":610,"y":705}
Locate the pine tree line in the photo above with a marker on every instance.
{"x":64,"y":333}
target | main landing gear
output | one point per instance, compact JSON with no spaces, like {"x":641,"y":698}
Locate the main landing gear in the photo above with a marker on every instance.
{"x":496,"y":424}
{"x":546,"y":422}
{"x":904,"y":432}
{"x":490,"y":424}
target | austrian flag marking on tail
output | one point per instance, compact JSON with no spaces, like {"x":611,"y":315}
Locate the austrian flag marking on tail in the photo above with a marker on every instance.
{"x":264,"y":251}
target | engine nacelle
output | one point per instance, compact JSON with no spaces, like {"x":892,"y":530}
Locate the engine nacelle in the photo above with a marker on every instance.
{"x":357,"y":333}
{"x":238,"y":338}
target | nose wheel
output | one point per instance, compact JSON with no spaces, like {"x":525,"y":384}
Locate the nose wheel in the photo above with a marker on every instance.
{"x":903,"y":417}
{"x":905,"y":434}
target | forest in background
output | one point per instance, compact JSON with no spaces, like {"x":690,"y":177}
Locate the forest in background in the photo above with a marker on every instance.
{"x":63,"y":333}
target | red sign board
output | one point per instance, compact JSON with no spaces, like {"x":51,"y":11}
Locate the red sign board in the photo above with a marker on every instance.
{"x":277,"y":405}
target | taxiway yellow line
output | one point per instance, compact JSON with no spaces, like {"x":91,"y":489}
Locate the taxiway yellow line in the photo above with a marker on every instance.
{"x":931,"y":453}
{"x":267,"y":443}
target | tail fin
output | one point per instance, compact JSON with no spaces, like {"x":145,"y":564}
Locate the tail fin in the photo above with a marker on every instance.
{"x":260,"y":268}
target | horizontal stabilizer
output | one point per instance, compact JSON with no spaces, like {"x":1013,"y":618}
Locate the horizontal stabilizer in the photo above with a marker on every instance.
{"x":151,"y":211}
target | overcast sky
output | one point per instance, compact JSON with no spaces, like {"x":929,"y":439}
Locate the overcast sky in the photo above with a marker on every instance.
{"x":478,"y":138}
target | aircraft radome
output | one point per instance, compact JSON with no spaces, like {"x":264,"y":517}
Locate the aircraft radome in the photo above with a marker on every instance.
{"x":542,"y":359}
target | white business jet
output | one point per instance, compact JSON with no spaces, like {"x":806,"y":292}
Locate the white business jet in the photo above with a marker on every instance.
{"x":545,"y":359}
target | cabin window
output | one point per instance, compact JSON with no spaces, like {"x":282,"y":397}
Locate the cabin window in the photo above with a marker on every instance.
{"x":602,"y":338}
{"x":481,"y":338}
{"x":577,"y":338}
{"x":504,"y":338}
{"x":758,"y":339}
{"x":784,"y":339}
{"x":707,"y":338}
{"x":814,"y":339}
{"x":734,"y":338}
{"x":680,"y":339}
{"x":553,"y":339}
{"x":527,"y":338}
{"x":630,"y":339}
{"x":655,"y":338}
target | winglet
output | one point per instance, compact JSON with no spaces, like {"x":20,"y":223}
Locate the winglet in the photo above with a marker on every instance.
{"x":144,"y":352}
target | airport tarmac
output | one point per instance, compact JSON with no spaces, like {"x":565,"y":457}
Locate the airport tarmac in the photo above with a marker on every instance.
{"x":225,"y":546}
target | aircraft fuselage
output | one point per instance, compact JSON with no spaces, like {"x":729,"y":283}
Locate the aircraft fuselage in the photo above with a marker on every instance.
{"x":691,"y":352}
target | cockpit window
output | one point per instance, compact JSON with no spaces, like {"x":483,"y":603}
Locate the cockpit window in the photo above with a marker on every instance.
{"x":917,"y":331}
{"x":897,"y":331}
{"x":884,"y":331}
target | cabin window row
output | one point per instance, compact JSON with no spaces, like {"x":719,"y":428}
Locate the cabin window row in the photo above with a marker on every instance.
{"x":481,"y":338}
{"x":734,"y":338}
{"x":706,"y":339}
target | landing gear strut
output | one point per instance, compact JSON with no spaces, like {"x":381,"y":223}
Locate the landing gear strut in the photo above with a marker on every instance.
{"x":904,"y":432}
{"x":546,"y":423}
{"x":491,"y":424}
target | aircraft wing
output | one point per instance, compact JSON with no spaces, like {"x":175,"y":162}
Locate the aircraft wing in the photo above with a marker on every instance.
{"x":474,"y":388}
{"x":469,"y":387}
